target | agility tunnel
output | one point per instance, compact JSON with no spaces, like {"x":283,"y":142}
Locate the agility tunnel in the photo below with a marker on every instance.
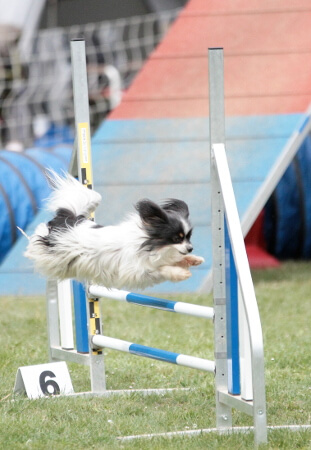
{"x":23,"y":187}
{"x":155,"y":144}
{"x":287,"y":221}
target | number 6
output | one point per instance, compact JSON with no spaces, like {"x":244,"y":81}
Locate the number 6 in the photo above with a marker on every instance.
{"x":45,"y":384}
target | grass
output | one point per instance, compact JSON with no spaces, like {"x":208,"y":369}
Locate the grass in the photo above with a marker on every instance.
{"x":284,"y":297}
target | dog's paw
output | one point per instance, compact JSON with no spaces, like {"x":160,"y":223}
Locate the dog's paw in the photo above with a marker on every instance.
{"x":181,"y":275}
{"x":193,"y":260}
{"x":175,"y":273}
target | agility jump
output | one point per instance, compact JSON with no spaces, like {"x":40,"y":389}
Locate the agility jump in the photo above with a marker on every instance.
{"x":238,"y":348}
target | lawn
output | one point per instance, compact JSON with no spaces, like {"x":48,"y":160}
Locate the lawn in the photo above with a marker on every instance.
{"x":284,"y":298}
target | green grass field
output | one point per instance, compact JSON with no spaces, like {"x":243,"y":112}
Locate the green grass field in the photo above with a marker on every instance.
{"x":284,"y":298}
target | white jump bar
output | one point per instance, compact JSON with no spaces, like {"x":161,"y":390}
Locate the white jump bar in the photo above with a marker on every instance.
{"x":152,"y":302}
{"x":101,"y":341}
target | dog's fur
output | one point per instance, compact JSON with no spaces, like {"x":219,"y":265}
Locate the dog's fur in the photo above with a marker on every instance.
{"x":150,"y":246}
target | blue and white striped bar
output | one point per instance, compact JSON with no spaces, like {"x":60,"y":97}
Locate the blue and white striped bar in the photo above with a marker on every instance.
{"x":152,"y":302}
{"x":101,"y":341}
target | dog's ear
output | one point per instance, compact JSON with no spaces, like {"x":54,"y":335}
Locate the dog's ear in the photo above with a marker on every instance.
{"x":151,"y":213}
{"x":173,"y":204}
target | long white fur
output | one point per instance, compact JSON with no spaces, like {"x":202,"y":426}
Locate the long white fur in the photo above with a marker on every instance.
{"x":111,"y":255}
{"x":69,"y":193}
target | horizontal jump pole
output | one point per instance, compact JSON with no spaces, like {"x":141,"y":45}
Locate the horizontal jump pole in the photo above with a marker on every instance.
{"x":101,"y":341}
{"x":152,"y":302}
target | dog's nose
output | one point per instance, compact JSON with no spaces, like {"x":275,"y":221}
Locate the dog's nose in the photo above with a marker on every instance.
{"x":189,"y":248}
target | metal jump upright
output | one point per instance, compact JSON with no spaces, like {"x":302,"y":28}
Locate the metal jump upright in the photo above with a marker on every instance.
{"x":232,"y":281}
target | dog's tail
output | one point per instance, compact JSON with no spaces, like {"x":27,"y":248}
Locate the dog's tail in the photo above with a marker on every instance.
{"x":69,"y":194}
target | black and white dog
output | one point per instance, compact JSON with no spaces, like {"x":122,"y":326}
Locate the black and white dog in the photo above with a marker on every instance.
{"x":150,"y":246}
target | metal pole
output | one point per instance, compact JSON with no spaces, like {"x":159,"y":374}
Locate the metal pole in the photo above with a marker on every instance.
{"x":52,"y":316}
{"x":83,"y":162}
{"x":217,"y":135}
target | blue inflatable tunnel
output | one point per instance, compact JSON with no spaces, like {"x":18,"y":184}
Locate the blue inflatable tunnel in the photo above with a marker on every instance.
{"x":23,"y":187}
{"x":287,"y":225}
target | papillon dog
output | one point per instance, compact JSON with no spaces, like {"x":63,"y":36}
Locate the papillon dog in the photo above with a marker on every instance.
{"x":150,"y":246}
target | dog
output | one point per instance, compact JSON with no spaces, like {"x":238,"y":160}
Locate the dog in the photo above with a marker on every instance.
{"x":150,"y":246}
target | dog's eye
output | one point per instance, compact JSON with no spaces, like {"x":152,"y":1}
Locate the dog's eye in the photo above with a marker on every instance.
{"x":178,"y":238}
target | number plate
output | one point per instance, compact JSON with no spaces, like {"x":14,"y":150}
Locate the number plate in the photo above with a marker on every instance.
{"x":43,"y":380}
